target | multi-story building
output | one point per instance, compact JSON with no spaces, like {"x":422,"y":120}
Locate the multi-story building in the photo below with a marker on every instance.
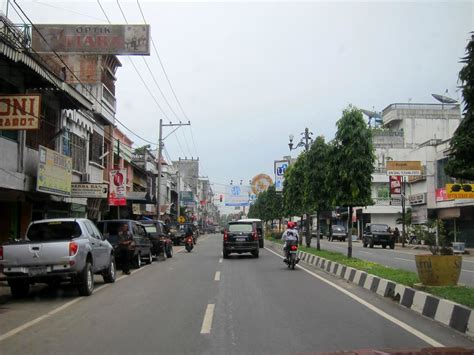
{"x":416,"y":132}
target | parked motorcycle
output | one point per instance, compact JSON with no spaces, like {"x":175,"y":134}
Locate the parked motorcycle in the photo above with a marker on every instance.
{"x":189,"y":243}
{"x":292,"y":254}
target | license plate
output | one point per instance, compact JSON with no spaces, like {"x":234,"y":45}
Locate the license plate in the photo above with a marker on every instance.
{"x":292,"y":251}
{"x":240,"y":239}
{"x":37,"y":270}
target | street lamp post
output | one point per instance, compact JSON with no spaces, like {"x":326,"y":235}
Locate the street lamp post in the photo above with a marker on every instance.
{"x":305,"y":142}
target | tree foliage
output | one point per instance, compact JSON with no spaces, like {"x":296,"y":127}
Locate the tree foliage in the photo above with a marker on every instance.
{"x":268,"y":205}
{"x":461,"y":162}
{"x":352,"y":160}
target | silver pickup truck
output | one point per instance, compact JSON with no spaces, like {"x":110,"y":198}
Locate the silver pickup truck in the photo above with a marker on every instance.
{"x":57,"y":250}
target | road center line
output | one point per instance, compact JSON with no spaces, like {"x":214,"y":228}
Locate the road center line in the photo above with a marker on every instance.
{"x":467,"y":270}
{"x":218,"y":276}
{"x":207,"y":321}
{"x":365,"y":252}
{"x":220,"y":260}
{"x":383,"y":314}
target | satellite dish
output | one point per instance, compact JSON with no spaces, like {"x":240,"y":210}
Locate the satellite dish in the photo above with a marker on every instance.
{"x":444,"y":99}
{"x":371,"y":114}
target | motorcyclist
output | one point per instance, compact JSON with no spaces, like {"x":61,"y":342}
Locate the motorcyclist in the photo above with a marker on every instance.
{"x":291,"y":234}
{"x":189,"y":233}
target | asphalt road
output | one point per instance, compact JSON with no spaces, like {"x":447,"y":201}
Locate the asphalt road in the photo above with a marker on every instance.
{"x":400,"y":258}
{"x":201,"y":304}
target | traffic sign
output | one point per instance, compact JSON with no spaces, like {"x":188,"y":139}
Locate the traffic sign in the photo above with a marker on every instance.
{"x":181,"y":219}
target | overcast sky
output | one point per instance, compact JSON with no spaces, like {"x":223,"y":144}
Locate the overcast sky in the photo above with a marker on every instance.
{"x":248,"y":74}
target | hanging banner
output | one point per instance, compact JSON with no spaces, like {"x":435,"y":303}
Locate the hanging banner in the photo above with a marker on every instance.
{"x":91,"y":39}
{"x":280,"y":168}
{"x":118,"y":187}
{"x":237,"y":195}
{"x":395,"y":186}
{"x":20,"y":111}
{"x":54,"y":172}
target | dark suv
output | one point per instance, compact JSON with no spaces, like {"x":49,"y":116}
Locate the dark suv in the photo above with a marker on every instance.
{"x":158,"y":233}
{"x":241,"y":237}
{"x":378,"y":234}
{"x":259,"y":225}
{"x":337,"y":232}
{"x":141,"y":245}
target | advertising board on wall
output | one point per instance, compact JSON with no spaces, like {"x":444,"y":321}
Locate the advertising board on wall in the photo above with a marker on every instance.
{"x":54,"y":172}
{"x":260,"y":183}
{"x":92,"y":39}
{"x":118,"y":187}
{"x":460,"y":191}
{"x":404,"y":168}
{"x":280,"y":168}
{"x":20,"y":111}
{"x":89,"y":190}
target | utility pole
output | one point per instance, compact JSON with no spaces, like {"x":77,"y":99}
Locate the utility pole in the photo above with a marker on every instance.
{"x":160,"y":149}
{"x":403,"y":213}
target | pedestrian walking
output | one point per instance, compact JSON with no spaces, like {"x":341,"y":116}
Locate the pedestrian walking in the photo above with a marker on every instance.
{"x":125,"y":242}
{"x":396,"y":235}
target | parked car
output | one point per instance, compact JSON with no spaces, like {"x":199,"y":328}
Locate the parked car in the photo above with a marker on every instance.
{"x":158,"y":233}
{"x":241,"y":237}
{"x":337,"y":232}
{"x":259,"y":226}
{"x":58,"y":250}
{"x":378,"y":234}
{"x":141,"y":245}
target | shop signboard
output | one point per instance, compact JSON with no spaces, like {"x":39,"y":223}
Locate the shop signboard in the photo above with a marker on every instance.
{"x":20,"y":112}
{"x":441,"y":195}
{"x":89,"y":190}
{"x":403,"y":168}
{"x":460,"y":191}
{"x":118,"y":187}
{"x":91,"y":39}
{"x":54,"y":173}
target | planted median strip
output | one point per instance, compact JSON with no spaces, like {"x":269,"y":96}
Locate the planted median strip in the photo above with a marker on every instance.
{"x":460,"y":294}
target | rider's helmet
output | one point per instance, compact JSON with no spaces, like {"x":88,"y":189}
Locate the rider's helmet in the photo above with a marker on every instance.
{"x":291,"y":224}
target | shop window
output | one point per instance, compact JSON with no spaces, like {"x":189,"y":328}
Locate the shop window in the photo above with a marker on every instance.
{"x":44,"y":135}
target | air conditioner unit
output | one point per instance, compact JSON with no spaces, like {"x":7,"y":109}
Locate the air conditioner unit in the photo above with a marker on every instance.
{"x":85,"y":177}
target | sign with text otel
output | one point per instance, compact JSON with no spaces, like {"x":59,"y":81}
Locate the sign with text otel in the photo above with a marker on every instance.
{"x":20,"y":111}
{"x":403,"y":168}
{"x":460,"y":191}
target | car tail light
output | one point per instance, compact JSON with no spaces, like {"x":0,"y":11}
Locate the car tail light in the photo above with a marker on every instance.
{"x":254,"y":235}
{"x":225,"y":236}
{"x":73,"y":247}
{"x":1,"y":253}
{"x":293,"y":247}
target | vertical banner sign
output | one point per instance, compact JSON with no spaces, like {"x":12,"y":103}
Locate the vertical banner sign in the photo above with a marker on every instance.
{"x":395,"y":186}
{"x":280,"y":167}
{"x":118,"y":187}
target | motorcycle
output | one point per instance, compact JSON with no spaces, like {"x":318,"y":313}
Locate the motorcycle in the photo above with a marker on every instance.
{"x":292,"y":254}
{"x":189,"y":243}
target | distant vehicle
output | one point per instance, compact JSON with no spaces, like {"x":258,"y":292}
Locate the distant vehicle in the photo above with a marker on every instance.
{"x":259,"y":226}
{"x":338,"y":232}
{"x":241,"y":237}
{"x":141,"y":246}
{"x":58,"y":250}
{"x":158,"y":233}
{"x":178,"y":235}
{"x":378,"y":234}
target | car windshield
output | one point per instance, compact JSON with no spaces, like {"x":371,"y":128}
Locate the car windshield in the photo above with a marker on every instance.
{"x":379,"y":228}
{"x":53,"y":231}
{"x":240,"y":228}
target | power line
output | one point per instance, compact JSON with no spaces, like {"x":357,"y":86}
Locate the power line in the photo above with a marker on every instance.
{"x":68,"y":10}
{"x":66,"y":66}
{"x":103,"y":11}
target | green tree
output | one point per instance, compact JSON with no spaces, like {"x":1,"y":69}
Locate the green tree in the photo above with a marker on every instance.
{"x":317,"y":181}
{"x":142,"y":149}
{"x":461,"y":162}
{"x":352,"y":163}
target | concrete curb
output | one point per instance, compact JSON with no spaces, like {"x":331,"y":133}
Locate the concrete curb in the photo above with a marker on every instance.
{"x":453,"y":315}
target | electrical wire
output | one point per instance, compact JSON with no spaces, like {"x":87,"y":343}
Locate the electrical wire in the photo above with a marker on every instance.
{"x":66,"y":66}
{"x":68,"y":10}
{"x":103,"y":11}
